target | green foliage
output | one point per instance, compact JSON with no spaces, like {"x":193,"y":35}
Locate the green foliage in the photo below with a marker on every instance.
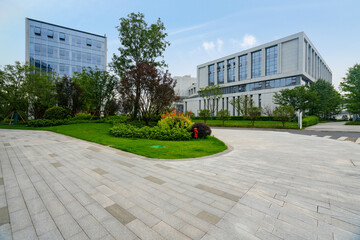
{"x":284,"y":113}
{"x":328,"y":101}
{"x":69,"y":94}
{"x":242,"y":104}
{"x":82,"y":116}
{"x":139,"y":43}
{"x":353,"y":123}
{"x":212,"y":93}
{"x":298,"y":97}
{"x":190,"y":114}
{"x":203,"y":130}
{"x":253,"y":114}
{"x":320,"y":98}
{"x":223,"y":115}
{"x":351,"y":87}
{"x":129,"y":131}
{"x":117,"y":119}
{"x":205,"y":114}
{"x":309,"y":121}
{"x":175,"y":120}
{"x":249,"y":124}
{"x":98,"y":88}
{"x":56,"y":113}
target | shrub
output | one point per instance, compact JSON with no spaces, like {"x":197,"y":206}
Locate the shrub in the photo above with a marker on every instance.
{"x":203,"y":130}
{"x":310,"y":120}
{"x":117,"y":119}
{"x":82,"y":116}
{"x":223,"y":115}
{"x":129,"y":131}
{"x":175,"y":120}
{"x":253,"y":114}
{"x":56,"y":113}
{"x":45,"y":123}
{"x":205,"y":114}
{"x":190,"y":114}
{"x":284,"y":113}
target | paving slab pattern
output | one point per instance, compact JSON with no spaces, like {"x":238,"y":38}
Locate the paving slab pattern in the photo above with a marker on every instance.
{"x":273,"y":185}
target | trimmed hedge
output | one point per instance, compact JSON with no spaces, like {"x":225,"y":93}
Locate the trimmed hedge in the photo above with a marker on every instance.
{"x":260,"y":118}
{"x":49,"y":123}
{"x":56,"y":113}
{"x":129,"y":131}
{"x":310,"y":120}
{"x":203,"y":130}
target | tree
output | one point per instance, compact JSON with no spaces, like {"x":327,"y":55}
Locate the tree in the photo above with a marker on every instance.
{"x":40,"y":89}
{"x":212,"y":93}
{"x":299,"y":98}
{"x":205,"y":114}
{"x":69,"y":94}
{"x":327,"y":102}
{"x":351,"y":87}
{"x":13,"y":97}
{"x":140,"y":43}
{"x":157,"y":90}
{"x":223,"y":115}
{"x":284,"y":113}
{"x":98,"y":87}
{"x":242,"y":104}
{"x":268,"y":111}
{"x":253,"y":113}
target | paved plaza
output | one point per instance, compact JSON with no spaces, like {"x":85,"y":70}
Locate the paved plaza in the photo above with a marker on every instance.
{"x":271,"y":185}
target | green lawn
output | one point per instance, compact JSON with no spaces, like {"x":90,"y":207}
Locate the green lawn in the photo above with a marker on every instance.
{"x":99,"y":133}
{"x":247,"y":124}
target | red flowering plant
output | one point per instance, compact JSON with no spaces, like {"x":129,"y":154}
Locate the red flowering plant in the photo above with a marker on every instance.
{"x":175,"y":119}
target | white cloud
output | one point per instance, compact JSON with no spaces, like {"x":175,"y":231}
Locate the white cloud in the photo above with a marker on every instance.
{"x":248,"y":41}
{"x":213,"y":46}
{"x":208,"y":46}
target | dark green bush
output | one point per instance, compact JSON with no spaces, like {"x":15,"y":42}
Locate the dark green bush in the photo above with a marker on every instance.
{"x":82,"y":116}
{"x":130,"y":131}
{"x":117,"y":119}
{"x":56,"y":113}
{"x":310,"y":120}
{"x":203,"y":130}
{"x":49,"y":123}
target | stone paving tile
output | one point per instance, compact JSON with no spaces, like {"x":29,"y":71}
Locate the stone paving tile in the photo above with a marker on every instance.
{"x":100,"y":171}
{"x":263,"y":194}
{"x":26,"y":233}
{"x":210,"y":218}
{"x":218,"y":192}
{"x":4,"y":215}
{"x":154,"y":180}
{"x":120,"y":214}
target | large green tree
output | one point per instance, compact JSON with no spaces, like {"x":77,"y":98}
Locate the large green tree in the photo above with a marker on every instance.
{"x":299,"y":98}
{"x":40,"y":90}
{"x":69,"y":94}
{"x":351,"y":87}
{"x":98,"y":88}
{"x":328,"y":101}
{"x":140,"y":43}
{"x":13,"y":96}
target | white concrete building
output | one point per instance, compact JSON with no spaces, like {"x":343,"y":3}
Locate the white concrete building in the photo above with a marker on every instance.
{"x":260,"y":72}
{"x":186,"y":86}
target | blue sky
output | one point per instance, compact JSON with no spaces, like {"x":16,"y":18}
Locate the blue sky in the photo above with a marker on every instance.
{"x":199,"y":31}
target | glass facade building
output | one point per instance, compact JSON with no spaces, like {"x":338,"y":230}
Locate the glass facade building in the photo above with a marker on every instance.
{"x":271,"y":60}
{"x":220,"y":72}
{"x":63,"y":50}
{"x":256,"y":64}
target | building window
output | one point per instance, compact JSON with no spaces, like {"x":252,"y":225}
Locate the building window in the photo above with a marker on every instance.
{"x":256,"y":64}
{"x":37,"y":31}
{"x":211,"y":69}
{"x":88,"y":42}
{"x":62,"y":36}
{"x":37,"y":49}
{"x":50,"y":34}
{"x":243,"y":67}
{"x":220,"y":71}
{"x":231,"y":70}
{"x":98,"y":44}
{"x":259,"y":100}
{"x":271,"y":60}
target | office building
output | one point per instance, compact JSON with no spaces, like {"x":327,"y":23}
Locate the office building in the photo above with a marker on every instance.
{"x":260,"y":72}
{"x":63,"y":50}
